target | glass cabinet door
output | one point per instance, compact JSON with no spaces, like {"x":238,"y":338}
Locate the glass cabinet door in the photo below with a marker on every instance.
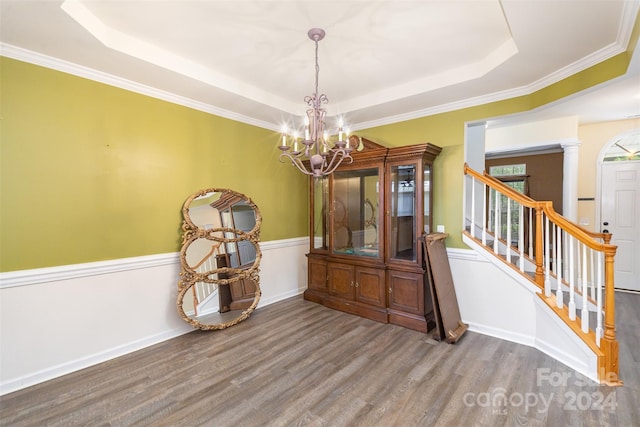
{"x":426,"y":182}
{"x":356,"y":212}
{"x":402,"y":216}
{"x":320,"y":220}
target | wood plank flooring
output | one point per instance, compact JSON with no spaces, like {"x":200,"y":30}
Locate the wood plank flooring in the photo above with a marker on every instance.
{"x":296,"y":363}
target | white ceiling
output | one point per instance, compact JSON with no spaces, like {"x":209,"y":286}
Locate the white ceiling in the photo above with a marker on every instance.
{"x":380,"y":62}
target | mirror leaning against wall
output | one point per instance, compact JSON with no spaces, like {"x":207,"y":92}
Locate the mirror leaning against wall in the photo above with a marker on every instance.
{"x":219,"y":283}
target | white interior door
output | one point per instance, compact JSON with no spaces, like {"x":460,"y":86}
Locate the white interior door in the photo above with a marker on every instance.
{"x":620,"y":213}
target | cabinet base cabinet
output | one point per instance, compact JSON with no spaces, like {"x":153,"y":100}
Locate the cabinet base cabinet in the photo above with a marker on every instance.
{"x":318,"y":280}
{"x":420,"y":323}
{"x":370,"y":286}
{"x":409,"y":301}
{"x":378,"y":314}
{"x":376,"y":293}
{"x":410,"y":321}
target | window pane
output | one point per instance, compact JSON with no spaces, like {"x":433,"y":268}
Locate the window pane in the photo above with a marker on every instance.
{"x":625,"y":148}
{"x":508,"y":170}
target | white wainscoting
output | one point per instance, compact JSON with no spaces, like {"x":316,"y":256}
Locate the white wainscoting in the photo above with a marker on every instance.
{"x":57,"y":320}
{"x":54,"y":321}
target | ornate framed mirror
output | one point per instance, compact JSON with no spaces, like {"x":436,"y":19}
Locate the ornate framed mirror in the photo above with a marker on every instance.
{"x":220,"y":257}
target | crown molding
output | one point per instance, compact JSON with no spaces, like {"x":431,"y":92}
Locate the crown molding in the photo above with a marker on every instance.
{"x":35,"y":58}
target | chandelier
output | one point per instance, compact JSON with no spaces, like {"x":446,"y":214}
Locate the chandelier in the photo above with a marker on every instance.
{"x":314,"y":155}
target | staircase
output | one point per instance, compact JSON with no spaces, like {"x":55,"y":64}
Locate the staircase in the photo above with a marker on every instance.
{"x":568,"y":268}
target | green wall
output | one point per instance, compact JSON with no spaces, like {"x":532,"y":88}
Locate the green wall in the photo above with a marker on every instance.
{"x":91,"y":172}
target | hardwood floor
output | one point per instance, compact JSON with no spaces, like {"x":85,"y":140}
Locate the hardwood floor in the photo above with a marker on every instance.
{"x":298,"y":363}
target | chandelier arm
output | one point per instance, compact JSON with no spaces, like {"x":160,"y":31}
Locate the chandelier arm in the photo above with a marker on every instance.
{"x":337,"y":152}
{"x":329,"y":166}
{"x":332,"y":167}
{"x":296,"y":162}
{"x":330,"y":171}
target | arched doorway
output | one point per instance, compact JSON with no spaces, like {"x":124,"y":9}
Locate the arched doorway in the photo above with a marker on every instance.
{"x":619,"y":166}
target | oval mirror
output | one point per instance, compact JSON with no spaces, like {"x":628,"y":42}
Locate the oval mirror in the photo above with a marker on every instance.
{"x":216,"y":209}
{"x":220,"y":259}
{"x":210,"y":305}
{"x":204,"y":255}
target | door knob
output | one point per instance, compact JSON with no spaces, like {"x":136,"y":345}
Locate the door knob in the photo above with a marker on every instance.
{"x":605,"y":223}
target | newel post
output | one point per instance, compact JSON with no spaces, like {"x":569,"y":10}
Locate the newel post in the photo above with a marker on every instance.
{"x":609,"y":370}
{"x":539,"y":277}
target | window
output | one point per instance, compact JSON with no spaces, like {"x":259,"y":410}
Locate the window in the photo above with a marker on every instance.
{"x":508,"y":170}
{"x":626,"y":148}
{"x":515,"y":177}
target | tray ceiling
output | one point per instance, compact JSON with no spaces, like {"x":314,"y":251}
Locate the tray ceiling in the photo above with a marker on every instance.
{"x":381,"y":61}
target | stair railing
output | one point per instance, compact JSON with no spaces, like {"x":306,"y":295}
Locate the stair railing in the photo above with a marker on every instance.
{"x":201,"y":290}
{"x":565,"y":261}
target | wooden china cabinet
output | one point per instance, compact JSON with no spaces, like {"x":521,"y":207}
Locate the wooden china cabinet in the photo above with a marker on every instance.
{"x":365,"y":224}
{"x":235,"y":213}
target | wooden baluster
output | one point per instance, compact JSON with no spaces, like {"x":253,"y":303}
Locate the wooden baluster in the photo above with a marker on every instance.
{"x":195,"y":299}
{"x":521,"y":236}
{"x":531,"y":237}
{"x":547,"y":260}
{"x":508,"y":237}
{"x":472,"y":226}
{"x":584,"y":314}
{"x":599,"y":330}
{"x":496,"y":230}
{"x":484,"y":214}
{"x":559,"y":296}
{"x":572,"y":300}
{"x":592,"y":283}
{"x":491,"y":208}
{"x":565,"y":238}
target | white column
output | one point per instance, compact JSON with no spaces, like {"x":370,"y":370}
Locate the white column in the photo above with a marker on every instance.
{"x":570,"y":181}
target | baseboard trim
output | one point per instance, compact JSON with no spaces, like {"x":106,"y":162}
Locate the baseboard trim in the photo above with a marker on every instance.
{"x":85,"y":362}
{"x":501,"y":334}
{"x":268,"y":301}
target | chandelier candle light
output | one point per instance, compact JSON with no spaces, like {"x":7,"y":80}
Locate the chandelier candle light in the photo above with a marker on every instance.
{"x":314,"y":148}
